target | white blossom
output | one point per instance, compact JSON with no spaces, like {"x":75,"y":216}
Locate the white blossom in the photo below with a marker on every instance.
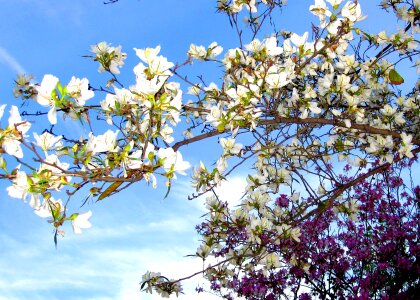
{"x":106,"y":142}
{"x":18,"y":128}
{"x":173,"y":161}
{"x":230,"y":146}
{"x":81,"y":222}
{"x":79,"y":90}
{"x":45,"y":96}
{"x":48,"y":141}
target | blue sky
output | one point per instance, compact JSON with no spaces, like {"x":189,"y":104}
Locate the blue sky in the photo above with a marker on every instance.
{"x":136,"y":230}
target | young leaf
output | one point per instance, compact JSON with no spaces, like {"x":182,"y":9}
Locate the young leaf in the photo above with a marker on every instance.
{"x":395,"y":78}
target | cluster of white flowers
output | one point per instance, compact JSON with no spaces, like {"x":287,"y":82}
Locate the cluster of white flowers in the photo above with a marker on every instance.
{"x":110,"y":58}
{"x":154,"y":281}
{"x":12,"y":136}
{"x":51,"y":94}
{"x":236,"y":6}
{"x":153,"y":106}
{"x":200,"y":52}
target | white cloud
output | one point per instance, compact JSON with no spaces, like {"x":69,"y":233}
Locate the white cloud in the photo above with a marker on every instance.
{"x":9,"y":60}
{"x":231,"y":190}
{"x":104,"y":263}
{"x":113,"y":273}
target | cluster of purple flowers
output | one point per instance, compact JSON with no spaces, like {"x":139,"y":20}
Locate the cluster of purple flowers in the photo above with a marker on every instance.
{"x":373,"y":256}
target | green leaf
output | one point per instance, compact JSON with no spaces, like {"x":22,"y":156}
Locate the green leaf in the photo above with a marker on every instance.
{"x":3,"y":163}
{"x":55,"y":210}
{"x":73,"y":216}
{"x":162,"y":98}
{"x":221,"y":127}
{"x":59,"y":88}
{"x":55,"y":238}
{"x":322,"y":205}
{"x":395,"y":78}
{"x":109,"y":190}
{"x":339,"y":145}
{"x":169,"y":189}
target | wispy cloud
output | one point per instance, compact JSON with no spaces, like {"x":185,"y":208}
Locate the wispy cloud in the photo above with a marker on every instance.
{"x":104,"y":263}
{"x":9,"y":60}
{"x":93,"y":271}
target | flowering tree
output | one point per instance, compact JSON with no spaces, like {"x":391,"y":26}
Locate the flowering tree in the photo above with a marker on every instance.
{"x":364,"y":248}
{"x":297,"y":110}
